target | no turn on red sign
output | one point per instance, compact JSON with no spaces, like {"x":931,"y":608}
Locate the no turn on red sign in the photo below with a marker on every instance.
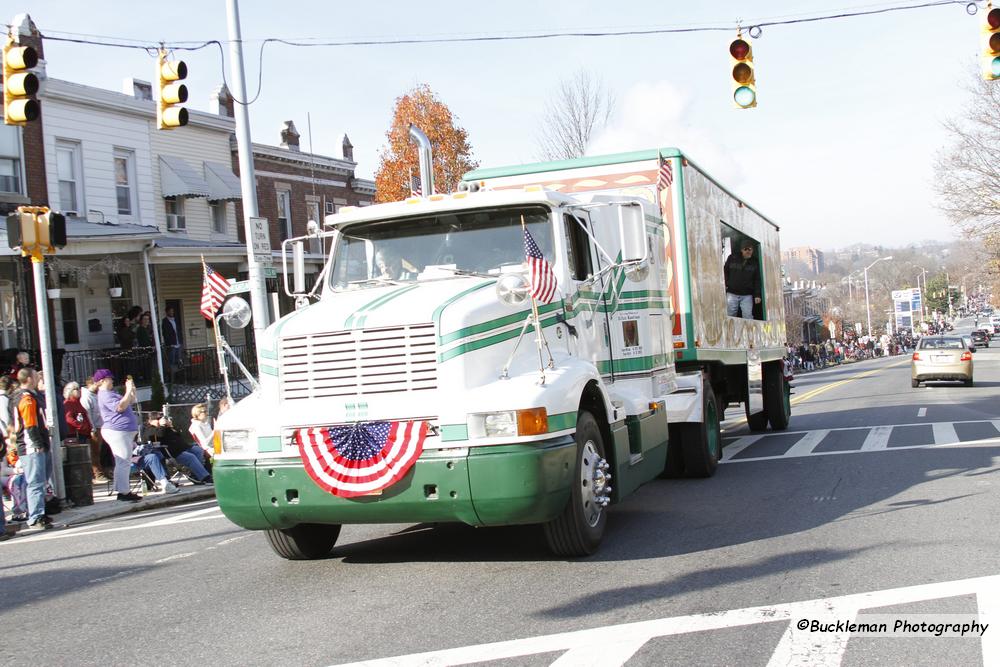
{"x":260,"y":241}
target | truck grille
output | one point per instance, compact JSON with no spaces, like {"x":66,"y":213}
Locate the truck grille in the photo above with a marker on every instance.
{"x":359,"y":362}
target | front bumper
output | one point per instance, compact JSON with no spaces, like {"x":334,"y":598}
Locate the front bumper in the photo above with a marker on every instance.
{"x":479,"y":486}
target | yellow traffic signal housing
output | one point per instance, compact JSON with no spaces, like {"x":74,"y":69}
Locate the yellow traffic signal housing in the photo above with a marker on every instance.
{"x":19,"y":84}
{"x":169,"y":113}
{"x":991,"y":44}
{"x":744,"y":80}
{"x":36,"y":230}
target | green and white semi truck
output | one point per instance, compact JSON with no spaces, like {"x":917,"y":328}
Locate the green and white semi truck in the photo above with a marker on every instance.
{"x":421,"y":381}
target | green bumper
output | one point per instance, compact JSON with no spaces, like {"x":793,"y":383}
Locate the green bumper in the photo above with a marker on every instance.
{"x":491,"y":486}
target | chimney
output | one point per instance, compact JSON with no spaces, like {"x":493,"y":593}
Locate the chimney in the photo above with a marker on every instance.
{"x":290,"y":136}
{"x":26,"y":33}
{"x":221,"y":103}
{"x":137,"y":88}
{"x":347,"y":148}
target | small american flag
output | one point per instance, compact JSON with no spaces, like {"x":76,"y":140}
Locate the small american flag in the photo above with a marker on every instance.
{"x":415,"y":189}
{"x":543,"y":281}
{"x":665,"y":176}
{"x":213,"y":292}
{"x":362,"y":458}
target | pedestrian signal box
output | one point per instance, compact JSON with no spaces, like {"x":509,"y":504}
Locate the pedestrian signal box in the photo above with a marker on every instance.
{"x":744,"y":80}
{"x":36,"y":231}
{"x":19,"y":84}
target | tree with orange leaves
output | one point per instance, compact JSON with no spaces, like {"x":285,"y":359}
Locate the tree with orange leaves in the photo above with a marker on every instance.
{"x":398,"y":159}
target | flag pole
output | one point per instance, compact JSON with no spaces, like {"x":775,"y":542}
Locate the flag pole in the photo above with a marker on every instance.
{"x":220,"y":353}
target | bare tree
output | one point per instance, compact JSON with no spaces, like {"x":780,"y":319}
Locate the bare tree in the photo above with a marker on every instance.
{"x":580,"y":107}
{"x":968,"y":169}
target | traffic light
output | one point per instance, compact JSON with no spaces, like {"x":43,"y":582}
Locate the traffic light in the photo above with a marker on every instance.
{"x":744,"y":82}
{"x":19,"y":84}
{"x":36,"y":230}
{"x":991,"y":43}
{"x":169,"y":113}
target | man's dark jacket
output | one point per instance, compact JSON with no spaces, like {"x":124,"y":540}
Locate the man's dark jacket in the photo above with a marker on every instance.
{"x":742,"y":275}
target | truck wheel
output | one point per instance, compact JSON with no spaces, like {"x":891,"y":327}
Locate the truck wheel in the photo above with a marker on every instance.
{"x":757,"y":422}
{"x":702,"y":441}
{"x":306,"y":541}
{"x":578,"y":530}
{"x":777,"y":397}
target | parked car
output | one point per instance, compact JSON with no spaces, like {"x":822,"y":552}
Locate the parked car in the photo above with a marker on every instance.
{"x":980,"y":339}
{"x":941,"y":358}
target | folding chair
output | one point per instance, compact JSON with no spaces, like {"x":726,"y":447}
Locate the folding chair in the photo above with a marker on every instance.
{"x":175,"y":469}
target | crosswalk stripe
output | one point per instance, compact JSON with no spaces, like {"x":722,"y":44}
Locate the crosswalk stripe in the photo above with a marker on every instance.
{"x":737,"y":446}
{"x":807,"y":443}
{"x":878,"y":438}
{"x":600,"y":655}
{"x":944,"y":433}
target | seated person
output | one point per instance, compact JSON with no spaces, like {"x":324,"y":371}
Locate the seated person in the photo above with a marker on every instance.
{"x":201,"y":429}
{"x":147,"y":456}
{"x":160,"y":430}
{"x":390,"y":266}
{"x":15,"y":486}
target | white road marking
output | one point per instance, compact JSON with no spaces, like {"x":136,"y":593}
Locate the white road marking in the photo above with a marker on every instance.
{"x":807,"y":443}
{"x":878,"y":438}
{"x":174,"y":557}
{"x":922,"y":412}
{"x":967,"y":443}
{"x":599,"y":655}
{"x":944,"y":433}
{"x":795,"y":647}
{"x":738,"y":445}
{"x":988,"y":602}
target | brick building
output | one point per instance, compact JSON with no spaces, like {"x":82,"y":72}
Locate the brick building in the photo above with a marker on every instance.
{"x":811,"y":258}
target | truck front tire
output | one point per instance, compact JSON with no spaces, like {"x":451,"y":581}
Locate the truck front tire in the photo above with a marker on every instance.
{"x":307,"y":541}
{"x":578,"y":530}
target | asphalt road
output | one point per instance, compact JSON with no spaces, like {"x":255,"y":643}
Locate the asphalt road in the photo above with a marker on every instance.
{"x":875,"y":488}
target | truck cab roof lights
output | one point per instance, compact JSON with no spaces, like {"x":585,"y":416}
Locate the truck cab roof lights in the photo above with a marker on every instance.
{"x":436,"y":197}
{"x":533,"y":188}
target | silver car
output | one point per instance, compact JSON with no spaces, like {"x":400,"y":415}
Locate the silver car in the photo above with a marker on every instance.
{"x":941,"y":358}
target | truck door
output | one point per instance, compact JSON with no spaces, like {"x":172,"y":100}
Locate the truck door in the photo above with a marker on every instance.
{"x":585,"y":293}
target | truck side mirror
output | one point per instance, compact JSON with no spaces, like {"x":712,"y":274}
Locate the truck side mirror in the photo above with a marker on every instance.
{"x":632,"y":229}
{"x":299,"y":267}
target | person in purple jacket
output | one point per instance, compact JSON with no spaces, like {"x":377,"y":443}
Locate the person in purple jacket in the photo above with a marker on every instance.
{"x":120,"y":427}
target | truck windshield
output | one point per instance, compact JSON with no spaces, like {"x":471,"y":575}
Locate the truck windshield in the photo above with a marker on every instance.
{"x":482,"y":241}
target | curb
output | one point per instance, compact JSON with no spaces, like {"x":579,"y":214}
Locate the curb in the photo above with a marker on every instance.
{"x":113,"y":508}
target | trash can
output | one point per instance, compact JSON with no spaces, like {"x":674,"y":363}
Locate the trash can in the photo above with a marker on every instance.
{"x":77,"y":472}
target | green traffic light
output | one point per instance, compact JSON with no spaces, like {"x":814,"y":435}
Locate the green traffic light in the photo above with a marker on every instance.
{"x":995,"y":67}
{"x":745,"y":96}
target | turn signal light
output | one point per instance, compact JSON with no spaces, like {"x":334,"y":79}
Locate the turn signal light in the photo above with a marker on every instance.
{"x":217,"y":442}
{"x":532,"y":422}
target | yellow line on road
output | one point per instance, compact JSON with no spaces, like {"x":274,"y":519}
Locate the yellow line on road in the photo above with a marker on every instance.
{"x":819,"y":390}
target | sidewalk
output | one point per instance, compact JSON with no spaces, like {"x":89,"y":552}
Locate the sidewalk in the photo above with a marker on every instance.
{"x":106,"y":506}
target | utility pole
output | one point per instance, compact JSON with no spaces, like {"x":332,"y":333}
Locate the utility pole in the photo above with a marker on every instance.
{"x":248,"y":183}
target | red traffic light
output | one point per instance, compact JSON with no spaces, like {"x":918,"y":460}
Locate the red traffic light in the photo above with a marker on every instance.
{"x":993,"y":18}
{"x":739,"y":49}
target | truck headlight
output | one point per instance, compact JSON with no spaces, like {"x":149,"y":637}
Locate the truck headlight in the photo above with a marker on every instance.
{"x":513,"y":289}
{"x":509,"y":423}
{"x":235,"y":441}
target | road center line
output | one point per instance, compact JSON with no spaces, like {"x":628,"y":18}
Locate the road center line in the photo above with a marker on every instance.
{"x":827,"y":387}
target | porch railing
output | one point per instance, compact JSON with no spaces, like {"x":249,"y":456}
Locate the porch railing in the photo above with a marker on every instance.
{"x":191,"y":377}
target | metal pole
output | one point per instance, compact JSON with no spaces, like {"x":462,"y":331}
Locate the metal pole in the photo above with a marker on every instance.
{"x":248,"y":187}
{"x":868,"y":308}
{"x":154,"y":314}
{"x":51,"y":374}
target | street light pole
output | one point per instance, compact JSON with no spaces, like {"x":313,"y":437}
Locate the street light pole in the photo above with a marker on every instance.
{"x":868,"y":308}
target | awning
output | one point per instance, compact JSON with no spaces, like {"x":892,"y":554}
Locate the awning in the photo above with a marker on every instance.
{"x":179,"y":179}
{"x":223,"y":184}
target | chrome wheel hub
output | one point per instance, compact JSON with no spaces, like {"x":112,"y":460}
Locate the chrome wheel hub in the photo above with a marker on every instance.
{"x":595,"y":484}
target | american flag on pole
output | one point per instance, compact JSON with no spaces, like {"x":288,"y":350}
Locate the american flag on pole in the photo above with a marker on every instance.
{"x":415,"y":189}
{"x":665,"y":175}
{"x":213,"y":292}
{"x":362,"y":458}
{"x":543,"y":280}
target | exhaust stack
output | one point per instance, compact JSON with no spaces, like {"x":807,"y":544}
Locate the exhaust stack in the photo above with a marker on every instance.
{"x":426,"y":159}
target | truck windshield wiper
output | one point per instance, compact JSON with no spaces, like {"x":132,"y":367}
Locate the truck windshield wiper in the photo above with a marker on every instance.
{"x":378,"y":281}
{"x":463,"y":272}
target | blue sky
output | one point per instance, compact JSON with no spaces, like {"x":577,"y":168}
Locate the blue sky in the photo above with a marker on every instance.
{"x":840,"y":149}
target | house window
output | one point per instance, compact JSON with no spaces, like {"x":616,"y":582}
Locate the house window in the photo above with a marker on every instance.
{"x":315,"y":245}
{"x":284,"y":214}
{"x":10,"y":159}
{"x":69,"y":168}
{"x":175,"y":213}
{"x":124,"y":180}
{"x":68,"y":322}
{"x":218,"y":209}
{"x":330,"y":210}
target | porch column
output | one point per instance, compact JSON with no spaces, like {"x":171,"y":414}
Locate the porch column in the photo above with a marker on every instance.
{"x":154,"y":314}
